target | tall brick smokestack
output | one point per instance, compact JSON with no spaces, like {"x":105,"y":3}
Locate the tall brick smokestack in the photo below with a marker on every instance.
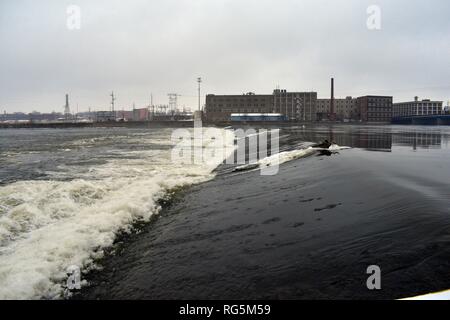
{"x":332,"y":98}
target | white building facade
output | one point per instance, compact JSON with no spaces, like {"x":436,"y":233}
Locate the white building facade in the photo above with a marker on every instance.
{"x":417,"y":108}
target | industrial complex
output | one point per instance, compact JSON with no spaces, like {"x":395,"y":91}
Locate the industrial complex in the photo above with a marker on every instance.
{"x":298,"y":107}
{"x":279,"y":106}
{"x":283,"y":105}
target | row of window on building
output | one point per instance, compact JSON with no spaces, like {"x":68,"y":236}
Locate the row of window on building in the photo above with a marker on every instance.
{"x":306,"y":106}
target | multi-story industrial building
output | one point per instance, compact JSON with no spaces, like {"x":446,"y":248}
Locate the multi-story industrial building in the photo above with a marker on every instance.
{"x":344,"y":109}
{"x":105,"y":116}
{"x":141,"y":114}
{"x":375,"y":108}
{"x":300,"y":106}
{"x":295,"y":106}
{"x":220,"y":107}
{"x":417,"y":108}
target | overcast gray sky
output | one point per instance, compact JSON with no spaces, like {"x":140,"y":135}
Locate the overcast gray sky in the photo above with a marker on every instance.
{"x":138,"y":47}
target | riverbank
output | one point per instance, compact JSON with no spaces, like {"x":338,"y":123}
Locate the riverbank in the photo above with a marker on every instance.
{"x":106,"y":124}
{"x":309,"y":232}
{"x":190,"y":124}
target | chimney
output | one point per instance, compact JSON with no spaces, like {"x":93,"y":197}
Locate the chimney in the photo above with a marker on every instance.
{"x":332,"y":98}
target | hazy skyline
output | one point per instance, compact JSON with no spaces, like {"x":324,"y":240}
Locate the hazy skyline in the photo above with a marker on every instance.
{"x":141,"y":47}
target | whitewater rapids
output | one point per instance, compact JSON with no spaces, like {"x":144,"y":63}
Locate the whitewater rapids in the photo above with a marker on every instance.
{"x":95,"y":191}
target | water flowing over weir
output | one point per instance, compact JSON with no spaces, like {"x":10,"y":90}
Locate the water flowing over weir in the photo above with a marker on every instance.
{"x":309,"y":232}
{"x":86,"y":186}
{"x":68,"y":197}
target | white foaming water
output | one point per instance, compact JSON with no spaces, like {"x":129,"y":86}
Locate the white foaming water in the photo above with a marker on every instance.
{"x":48,"y":226}
{"x":287,"y":156}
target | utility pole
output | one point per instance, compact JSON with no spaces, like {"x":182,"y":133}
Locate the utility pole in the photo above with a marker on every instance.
{"x":149,"y":114}
{"x":152,"y":108}
{"x":113,"y":99}
{"x":199,"y":80}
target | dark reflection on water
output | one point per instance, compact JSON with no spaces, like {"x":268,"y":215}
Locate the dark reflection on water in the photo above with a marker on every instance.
{"x":425,"y":140}
{"x":375,"y":138}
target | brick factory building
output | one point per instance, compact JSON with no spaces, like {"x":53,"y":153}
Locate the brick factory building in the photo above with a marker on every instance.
{"x":366,"y":109}
{"x":295,"y":106}
{"x":344,"y":109}
{"x":301,"y":106}
{"x":375,"y":108}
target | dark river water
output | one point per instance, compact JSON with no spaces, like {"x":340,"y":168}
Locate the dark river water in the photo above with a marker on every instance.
{"x":308,"y":232}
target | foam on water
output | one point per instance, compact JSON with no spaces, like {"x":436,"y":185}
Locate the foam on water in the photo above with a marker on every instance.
{"x":47,"y":226}
{"x":286,"y":156}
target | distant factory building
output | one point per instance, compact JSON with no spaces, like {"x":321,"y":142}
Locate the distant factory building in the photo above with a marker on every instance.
{"x":296,"y":106}
{"x":344,"y":109}
{"x":417,"y":108}
{"x":375,"y":108}
{"x":105,"y":116}
{"x":293,"y":106}
{"x":141,"y":114}
{"x":125,"y":115}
